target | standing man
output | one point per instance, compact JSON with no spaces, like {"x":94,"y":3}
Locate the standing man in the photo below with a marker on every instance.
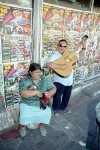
{"x":63,"y":84}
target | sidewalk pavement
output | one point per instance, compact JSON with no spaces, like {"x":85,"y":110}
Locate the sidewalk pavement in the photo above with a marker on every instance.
{"x":67,"y":131}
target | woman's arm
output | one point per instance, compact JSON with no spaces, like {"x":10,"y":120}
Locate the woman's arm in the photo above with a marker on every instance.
{"x":30,"y":93}
{"x":51,"y":92}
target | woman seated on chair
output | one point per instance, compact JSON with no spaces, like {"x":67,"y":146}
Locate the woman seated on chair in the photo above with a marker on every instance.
{"x":30,"y":112}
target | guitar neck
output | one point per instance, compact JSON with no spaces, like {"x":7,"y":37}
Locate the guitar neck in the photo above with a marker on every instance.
{"x":71,"y":55}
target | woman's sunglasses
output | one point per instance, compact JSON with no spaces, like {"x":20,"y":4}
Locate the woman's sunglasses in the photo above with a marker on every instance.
{"x":62,"y":45}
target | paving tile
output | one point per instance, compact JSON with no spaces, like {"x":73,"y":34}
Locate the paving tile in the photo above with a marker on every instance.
{"x":10,"y":134}
{"x":58,"y":137}
{"x":59,"y":123}
{"x":74,"y":132}
{"x":2,"y":145}
{"x":13,"y":144}
{"x":33,"y":135}
{"x":78,"y":120}
{"x":81,"y":110}
{"x":46,"y":144}
{"x":72,"y":145}
{"x":26,"y":146}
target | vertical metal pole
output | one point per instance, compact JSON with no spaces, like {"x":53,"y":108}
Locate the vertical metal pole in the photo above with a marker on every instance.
{"x":36,"y":30}
{"x":91,"y":5}
{"x":57,"y":2}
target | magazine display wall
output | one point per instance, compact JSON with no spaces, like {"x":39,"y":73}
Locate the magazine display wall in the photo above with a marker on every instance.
{"x":72,"y":25}
{"x":15,"y":51}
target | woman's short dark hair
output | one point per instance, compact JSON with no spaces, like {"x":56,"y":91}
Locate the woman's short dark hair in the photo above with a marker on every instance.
{"x":33,"y":67}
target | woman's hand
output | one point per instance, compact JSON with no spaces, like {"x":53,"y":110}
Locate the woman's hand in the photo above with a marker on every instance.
{"x":48,"y":94}
{"x":38,"y":93}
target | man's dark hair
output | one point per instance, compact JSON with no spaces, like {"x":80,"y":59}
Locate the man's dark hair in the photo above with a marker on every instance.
{"x":63,"y":40}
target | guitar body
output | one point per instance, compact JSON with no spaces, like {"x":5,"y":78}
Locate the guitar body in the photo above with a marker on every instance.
{"x":65,"y":60}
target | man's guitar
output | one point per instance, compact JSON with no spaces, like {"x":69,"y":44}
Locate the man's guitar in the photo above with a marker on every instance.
{"x":68,"y":58}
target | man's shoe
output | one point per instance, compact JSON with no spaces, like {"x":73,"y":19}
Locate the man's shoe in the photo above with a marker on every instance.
{"x":22,"y":131}
{"x":56,"y":113}
{"x":67,"y":110}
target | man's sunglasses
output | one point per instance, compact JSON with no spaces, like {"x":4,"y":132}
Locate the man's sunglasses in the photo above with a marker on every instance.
{"x":61,"y":45}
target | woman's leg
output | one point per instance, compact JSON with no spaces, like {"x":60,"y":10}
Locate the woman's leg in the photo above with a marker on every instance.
{"x":22,"y":126}
{"x":41,"y":125}
{"x":22,"y":130}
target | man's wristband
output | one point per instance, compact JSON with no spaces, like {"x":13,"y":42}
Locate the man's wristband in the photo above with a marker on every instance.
{"x":83,"y":48}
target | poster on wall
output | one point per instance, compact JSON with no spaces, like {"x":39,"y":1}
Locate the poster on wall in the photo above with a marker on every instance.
{"x":15,"y":30}
{"x":92,"y":47}
{"x":52,"y":30}
{"x":72,"y":20}
{"x":97,"y":69}
{"x":92,"y":53}
{"x":93,"y":41}
{"x":97,"y":22}
{"x":73,"y":39}
{"x":97,"y":30}
{"x":78,"y":77}
{"x":73,"y":35}
{"x":72,"y":29}
{"x":13,"y":73}
{"x":87,"y":22}
{"x":15,"y":50}
{"x":0,"y":51}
